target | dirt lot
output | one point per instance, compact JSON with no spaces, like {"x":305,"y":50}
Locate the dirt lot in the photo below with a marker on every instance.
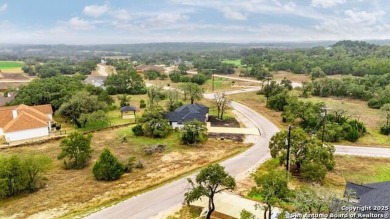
{"x":290,"y":76}
{"x":70,"y":192}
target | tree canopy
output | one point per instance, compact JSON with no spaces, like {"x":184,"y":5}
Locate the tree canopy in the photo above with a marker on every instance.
{"x":211,"y":180}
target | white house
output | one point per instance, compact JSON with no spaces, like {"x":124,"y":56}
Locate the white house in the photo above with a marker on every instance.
{"x":25,"y":122}
{"x":187,"y":113}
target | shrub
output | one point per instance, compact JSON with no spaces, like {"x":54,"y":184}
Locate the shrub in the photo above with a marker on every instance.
{"x":385,"y":129}
{"x":193,"y":132}
{"x":199,"y":79}
{"x":137,"y":130}
{"x":185,"y":78}
{"x":108,"y":167}
{"x":313,"y":172}
{"x":22,"y":174}
{"x":130,"y":164}
{"x":76,"y":150}
{"x":374,"y":103}
{"x":139,"y":165}
{"x":142,"y":104}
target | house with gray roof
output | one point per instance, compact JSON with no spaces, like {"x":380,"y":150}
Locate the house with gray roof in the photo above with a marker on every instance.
{"x":372,"y":195}
{"x":187,"y":113}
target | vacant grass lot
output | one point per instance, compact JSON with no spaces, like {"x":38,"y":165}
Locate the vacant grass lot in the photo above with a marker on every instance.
{"x":236,"y":62}
{"x":4,"y":65}
{"x":348,"y":168}
{"x":72,"y":192}
{"x":372,"y":118}
{"x":358,"y":109}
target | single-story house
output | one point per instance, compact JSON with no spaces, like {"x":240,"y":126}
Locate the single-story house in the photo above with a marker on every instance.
{"x":25,"y":122}
{"x":97,"y":81}
{"x":143,"y":68}
{"x":373,"y":194}
{"x":187,"y":113}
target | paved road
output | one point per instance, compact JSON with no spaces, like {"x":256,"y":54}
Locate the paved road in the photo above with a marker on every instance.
{"x":362,"y":151}
{"x":294,"y":84}
{"x":151,"y":203}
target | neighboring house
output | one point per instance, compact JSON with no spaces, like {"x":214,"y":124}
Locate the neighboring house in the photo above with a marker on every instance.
{"x":187,"y":113}
{"x":143,"y":68}
{"x":24,"y":122}
{"x":374,"y":195}
{"x":6,"y":99}
{"x":97,"y":81}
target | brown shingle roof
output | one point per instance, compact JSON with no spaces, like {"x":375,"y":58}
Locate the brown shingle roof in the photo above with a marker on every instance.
{"x":28,"y":117}
{"x":24,"y":121}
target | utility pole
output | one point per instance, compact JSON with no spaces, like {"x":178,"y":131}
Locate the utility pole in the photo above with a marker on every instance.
{"x":288,"y":144}
{"x":268,"y":87}
{"x":323,"y":114}
{"x":212,"y":76}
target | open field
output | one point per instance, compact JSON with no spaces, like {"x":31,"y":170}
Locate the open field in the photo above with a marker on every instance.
{"x":372,"y":118}
{"x":73,"y":192}
{"x":362,"y":169}
{"x":6,"y":65}
{"x":348,"y":168}
{"x":279,"y":75}
{"x":236,"y":62}
{"x":358,"y":109}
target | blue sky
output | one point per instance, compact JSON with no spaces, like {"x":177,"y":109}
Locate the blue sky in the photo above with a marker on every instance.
{"x":142,"y":21}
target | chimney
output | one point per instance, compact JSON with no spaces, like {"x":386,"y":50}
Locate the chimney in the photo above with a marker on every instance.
{"x":14,"y":113}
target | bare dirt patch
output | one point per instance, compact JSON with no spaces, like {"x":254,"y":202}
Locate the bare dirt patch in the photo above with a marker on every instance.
{"x":14,"y":76}
{"x":80,"y":192}
{"x":279,"y":75}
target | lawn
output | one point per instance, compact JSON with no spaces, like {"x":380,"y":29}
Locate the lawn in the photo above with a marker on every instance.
{"x":5,"y":65}
{"x":74,"y":192}
{"x":235,"y":62}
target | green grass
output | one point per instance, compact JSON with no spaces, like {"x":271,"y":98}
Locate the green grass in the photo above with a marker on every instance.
{"x":172,"y":142}
{"x":236,"y":62}
{"x":4,"y":65}
{"x":363,"y":170}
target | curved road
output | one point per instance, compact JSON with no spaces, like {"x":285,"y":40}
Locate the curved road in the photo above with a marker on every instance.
{"x":151,"y":203}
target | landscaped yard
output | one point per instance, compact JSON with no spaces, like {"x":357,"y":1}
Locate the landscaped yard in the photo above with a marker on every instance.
{"x":73,"y":192}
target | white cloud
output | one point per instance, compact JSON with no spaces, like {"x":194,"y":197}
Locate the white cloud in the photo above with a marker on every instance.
{"x":77,"y":23}
{"x":166,"y":19}
{"x":3,"y":7}
{"x":95,"y":10}
{"x":232,"y":14}
{"x":122,"y":15}
{"x":326,"y":3}
{"x":363,"y":17}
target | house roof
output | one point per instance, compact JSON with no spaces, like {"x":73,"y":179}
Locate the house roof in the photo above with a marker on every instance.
{"x":188,"y":112}
{"x":374,"y":194}
{"x":27,"y":117}
{"x":128,"y":109}
{"x":95,"y":80}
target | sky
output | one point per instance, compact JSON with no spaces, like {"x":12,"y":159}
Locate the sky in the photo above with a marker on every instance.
{"x":230,"y":21}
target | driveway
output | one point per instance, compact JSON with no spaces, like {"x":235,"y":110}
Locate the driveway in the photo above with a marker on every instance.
{"x":229,"y":130}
